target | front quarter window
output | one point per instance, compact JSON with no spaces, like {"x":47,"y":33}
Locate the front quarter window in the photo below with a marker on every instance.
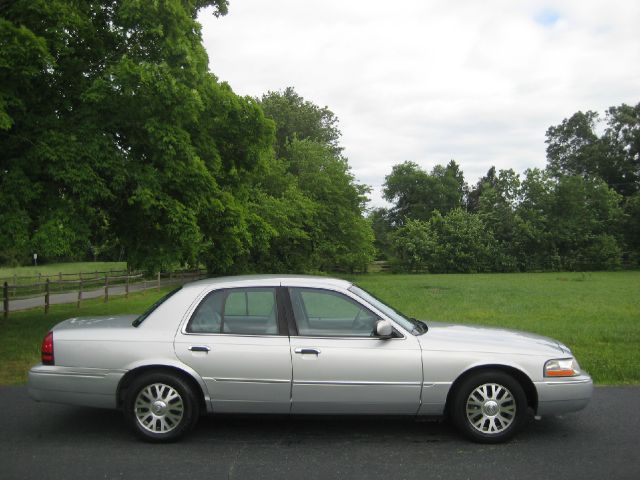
{"x":394,"y":315}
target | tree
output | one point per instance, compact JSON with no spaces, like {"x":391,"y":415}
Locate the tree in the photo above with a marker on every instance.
{"x":414,"y":246}
{"x":496,"y":207}
{"x":464,"y":243}
{"x":487,"y":181}
{"x":334,"y":232}
{"x":382,"y":230}
{"x":416,"y":194}
{"x":300,"y":119}
{"x":114,"y":132}
{"x":622,"y":138}
{"x":568,"y":223}
{"x":574,"y":148}
{"x":341,"y":236}
{"x":631,"y":229}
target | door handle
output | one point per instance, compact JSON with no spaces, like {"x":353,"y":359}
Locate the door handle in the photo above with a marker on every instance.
{"x":199,"y":348}
{"x":314,"y":351}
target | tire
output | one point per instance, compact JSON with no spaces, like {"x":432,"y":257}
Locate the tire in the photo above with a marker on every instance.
{"x":160,"y":406}
{"x":489,"y":407}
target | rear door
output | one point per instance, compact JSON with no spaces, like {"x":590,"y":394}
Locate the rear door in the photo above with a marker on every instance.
{"x":340,"y":366}
{"x":237,"y":341}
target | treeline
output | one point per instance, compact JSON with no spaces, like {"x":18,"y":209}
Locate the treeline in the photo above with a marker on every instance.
{"x":117,"y":142}
{"x":582,"y":212}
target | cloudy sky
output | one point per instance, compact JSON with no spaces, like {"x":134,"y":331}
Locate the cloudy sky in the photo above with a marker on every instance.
{"x":477,"y":81}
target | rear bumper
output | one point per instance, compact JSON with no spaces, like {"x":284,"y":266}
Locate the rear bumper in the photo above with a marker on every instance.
{"x":563,"y":396}
{"x":90,"y":387}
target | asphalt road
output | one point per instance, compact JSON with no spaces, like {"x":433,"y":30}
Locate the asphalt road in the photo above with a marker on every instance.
{"x":45,"y":441}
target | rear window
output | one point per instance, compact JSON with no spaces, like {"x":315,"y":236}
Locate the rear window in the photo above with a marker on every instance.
{"x":239,"y":311}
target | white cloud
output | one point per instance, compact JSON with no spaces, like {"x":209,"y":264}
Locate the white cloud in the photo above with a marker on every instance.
{"x":428,"y":81}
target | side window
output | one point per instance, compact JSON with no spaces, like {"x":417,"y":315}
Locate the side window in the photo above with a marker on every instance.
{"x":324,"y":313}
{"x":241,"y":311}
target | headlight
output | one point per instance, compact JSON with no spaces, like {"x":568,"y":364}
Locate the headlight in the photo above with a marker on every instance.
{"x":564,"y":367}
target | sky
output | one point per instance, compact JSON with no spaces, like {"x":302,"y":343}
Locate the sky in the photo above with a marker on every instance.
{"x":476,"y":81}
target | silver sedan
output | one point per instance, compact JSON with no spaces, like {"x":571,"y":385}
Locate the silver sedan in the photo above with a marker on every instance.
{"x":302,"y":345}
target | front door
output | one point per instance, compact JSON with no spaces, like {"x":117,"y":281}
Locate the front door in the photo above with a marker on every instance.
{"x":234,"y":340}
{"x":340,"y":366}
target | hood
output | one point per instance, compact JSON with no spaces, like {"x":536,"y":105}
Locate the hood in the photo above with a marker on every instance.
{"x":474,"y":338}
{"x":106,"y":322}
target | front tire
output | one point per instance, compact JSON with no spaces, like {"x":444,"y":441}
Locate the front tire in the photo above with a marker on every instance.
{"x":489,"y":407}
{"x":160,"y":407}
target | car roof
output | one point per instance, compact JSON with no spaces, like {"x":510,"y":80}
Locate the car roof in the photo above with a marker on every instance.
{"x":271,"y":280}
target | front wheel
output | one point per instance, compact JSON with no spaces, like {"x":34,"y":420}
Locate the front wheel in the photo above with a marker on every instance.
{"x":489,"y":407}
{"x":160,"y":407}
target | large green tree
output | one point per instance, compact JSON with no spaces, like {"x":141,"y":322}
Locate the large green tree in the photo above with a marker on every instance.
{"x":114,"y":132}
{"x":333,"y":232}
{"x":575,"y":148}
{"x":416,"y":193}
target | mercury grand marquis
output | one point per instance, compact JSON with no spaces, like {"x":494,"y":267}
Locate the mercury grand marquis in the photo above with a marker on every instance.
{"x":302,"y":345}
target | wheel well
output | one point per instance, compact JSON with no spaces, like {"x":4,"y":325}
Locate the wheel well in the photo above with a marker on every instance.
{"x":521,"y":377}
{"x":132,"y":374}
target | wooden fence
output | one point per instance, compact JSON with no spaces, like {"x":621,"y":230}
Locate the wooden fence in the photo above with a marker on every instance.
{"x":57,"y":289}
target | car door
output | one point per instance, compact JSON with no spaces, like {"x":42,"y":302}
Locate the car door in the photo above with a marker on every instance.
{"x":339,"y":366}
{"x":236,"y":341}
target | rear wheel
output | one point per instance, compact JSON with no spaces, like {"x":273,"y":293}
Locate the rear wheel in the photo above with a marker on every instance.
{"x":489,"y":407}
{"x":160,"y":407}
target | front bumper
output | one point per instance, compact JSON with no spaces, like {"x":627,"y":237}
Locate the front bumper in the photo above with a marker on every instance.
{"x":90,"y":387}
{"x":565,"y":395}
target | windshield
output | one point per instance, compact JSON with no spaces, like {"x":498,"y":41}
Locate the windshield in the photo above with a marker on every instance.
{"x":150,"y":310}
{"x":416,"y":327}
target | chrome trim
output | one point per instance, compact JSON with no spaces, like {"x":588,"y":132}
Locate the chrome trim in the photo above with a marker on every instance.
{"x":329,"y":337}
{"x":349,"y":382}
{"x":248,"y":380}
{"x":569,"y":382}
{"x":58,"y":370}
{"x":271,"y":335}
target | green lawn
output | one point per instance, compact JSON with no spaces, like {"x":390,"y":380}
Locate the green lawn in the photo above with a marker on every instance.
{"x":596,"y":314}
{"x":51,"y":269}
{"x":22,"y":333}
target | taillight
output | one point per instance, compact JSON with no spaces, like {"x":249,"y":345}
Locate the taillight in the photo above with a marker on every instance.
{"x":47,"y":349}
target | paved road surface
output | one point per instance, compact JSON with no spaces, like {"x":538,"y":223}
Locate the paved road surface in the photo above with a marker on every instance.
{"x":44,"y":441}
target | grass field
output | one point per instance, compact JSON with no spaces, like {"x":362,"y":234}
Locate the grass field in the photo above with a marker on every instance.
{"x":64,"y":268}
{"x":596,"y":314}
{"x":21,"y":333}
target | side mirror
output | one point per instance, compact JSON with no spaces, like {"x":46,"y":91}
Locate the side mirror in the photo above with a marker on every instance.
{"x":384,"y":329}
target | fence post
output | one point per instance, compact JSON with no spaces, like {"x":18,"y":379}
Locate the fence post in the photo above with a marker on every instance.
{"x":126,"y":288}
{"x":15,"y":281}
{"x":80,"y":291}
{"x":46,"y":296}
{"x":5,"y":301}
{"x":158,"y":279}
{"x":106,"y":288}
{"x":60,"y":276}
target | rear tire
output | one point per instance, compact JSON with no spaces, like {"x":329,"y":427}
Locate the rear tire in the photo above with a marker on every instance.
{"x":160,"y":406}
{"x":489,"y":407}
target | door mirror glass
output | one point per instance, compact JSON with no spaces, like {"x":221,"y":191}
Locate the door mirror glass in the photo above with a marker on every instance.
{"x":384,"y":329}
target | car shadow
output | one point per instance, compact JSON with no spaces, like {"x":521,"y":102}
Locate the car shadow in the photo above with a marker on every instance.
{"x":79,"y":424}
